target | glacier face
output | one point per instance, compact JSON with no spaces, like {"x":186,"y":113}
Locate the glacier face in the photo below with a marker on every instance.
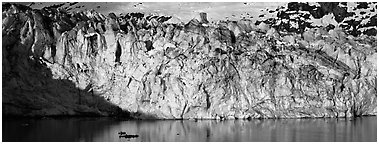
{"x":87,"y":63}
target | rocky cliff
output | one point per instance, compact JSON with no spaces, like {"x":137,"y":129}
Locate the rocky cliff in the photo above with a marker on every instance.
{"x":62,"y":63}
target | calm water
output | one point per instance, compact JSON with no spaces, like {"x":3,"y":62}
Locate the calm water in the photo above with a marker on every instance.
{"x":106,"y":129}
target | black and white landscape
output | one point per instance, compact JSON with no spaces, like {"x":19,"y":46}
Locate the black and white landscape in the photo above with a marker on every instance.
{"x":220,"y":62}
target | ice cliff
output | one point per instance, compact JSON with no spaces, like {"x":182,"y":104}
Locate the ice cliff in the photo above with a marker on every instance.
{"x":87,"y":63}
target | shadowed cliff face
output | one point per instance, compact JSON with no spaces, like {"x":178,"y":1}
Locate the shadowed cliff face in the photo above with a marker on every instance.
{"x":29,"y":86}
{"x":154,"y":69}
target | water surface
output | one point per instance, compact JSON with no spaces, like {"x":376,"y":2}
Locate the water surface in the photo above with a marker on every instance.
{"x":106,"y":129}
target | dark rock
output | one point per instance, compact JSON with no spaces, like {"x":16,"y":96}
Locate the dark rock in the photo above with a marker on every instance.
{"x":203,"y":18}
{"x":330,"y":27}
{"x":362,"y":5}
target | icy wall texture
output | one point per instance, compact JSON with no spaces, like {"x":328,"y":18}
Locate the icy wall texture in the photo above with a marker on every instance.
{"x":87,"y":63}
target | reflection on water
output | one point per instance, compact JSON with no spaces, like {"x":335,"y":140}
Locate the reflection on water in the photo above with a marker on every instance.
{"x":106,"y":129}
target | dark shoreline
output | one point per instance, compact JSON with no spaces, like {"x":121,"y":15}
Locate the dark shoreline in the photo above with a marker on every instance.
{"x":10,"y":117}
